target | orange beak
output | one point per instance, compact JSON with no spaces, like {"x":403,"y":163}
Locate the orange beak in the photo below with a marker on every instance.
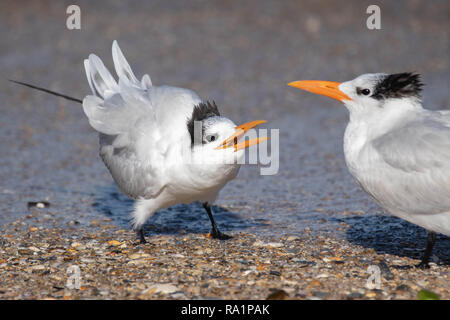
{"x":232,"y":141}
{"x":325,"y":88}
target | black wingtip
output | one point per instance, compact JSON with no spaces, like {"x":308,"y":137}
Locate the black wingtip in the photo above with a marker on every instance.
{"x":47,"y":91}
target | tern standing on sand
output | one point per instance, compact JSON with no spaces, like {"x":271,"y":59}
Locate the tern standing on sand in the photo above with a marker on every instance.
{"x":144,"y":130}
{"x":396,"y":150}
{"x":162,"y":145}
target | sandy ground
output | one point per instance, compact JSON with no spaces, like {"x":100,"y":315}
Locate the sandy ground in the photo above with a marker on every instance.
{"x":308,"y":232}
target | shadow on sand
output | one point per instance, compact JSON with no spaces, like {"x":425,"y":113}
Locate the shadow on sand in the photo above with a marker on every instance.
{"x":178,"y":219}
{"x":392,"y":235}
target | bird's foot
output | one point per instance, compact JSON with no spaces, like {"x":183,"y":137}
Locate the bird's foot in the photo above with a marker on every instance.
{"x":423,"y":265}
{"x":431,"y":239}
{"x":216,"y":234}
{"x":140,"y":234}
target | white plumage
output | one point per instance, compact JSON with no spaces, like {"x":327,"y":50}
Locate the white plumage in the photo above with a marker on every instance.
{"x":146,"y":145}
{"x":396,"y":150}
{"x":399,"y":153}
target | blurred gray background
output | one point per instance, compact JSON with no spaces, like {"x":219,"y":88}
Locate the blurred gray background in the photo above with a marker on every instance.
{"x":240,"y":54}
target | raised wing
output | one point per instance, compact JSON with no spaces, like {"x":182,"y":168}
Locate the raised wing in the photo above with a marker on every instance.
{"x":131,"y":143}
{"x":416,"y":159}
{"x":124,"y":71}
{"x":114,"y":108}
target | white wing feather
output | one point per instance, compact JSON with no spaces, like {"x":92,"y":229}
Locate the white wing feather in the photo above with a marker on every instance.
{"x":124,"y":116}
{"x":124,"y":71}
{"x":101,"y":81}
{"x":122,"y":66}
{"x":419,"y":146}
{"x":138,"y":124}
{"x":416,"y":158}
{"x":146,"y":82}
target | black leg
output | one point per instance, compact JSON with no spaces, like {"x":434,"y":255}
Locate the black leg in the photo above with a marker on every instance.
{"x":215,"y":233}
{"x":140,"y":234}
{"x":431,"y":239}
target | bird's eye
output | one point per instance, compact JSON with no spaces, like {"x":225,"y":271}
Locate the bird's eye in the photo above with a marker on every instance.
{"x":365,"y":92}
{"x":211,"y":137}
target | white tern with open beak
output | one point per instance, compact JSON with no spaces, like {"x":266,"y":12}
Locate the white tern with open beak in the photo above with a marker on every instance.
{"x":162,"y":145}
{"x":396,"y":150}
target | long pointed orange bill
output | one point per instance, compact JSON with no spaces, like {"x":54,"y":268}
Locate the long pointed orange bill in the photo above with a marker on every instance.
{"x":325,"y":88}
{"x":232,"y":141}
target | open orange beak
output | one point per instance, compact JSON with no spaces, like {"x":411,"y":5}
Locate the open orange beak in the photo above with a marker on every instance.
{"x":325,"y":88}
{"x":232,"y":141}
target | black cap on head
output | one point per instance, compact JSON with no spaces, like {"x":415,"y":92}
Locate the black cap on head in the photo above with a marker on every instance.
{"x":201,"y":112}
{"x":399,"y":85}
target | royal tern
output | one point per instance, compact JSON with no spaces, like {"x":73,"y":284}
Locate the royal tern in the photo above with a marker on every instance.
{"x":162,"y":145}
{"x":396,"y":150}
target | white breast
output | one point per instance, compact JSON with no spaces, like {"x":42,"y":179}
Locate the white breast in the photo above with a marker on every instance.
{"x":411,"y":195}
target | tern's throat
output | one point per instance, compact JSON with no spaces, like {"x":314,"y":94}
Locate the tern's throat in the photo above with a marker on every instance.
{"x":355,"y":138}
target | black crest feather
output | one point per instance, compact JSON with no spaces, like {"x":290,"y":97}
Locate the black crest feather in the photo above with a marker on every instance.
{"x":201,"y":112}
{"x":399,"y":85}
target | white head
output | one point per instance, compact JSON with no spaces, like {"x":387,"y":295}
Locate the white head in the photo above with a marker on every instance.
{"x":370,"y":95}
{"x":215,"y":140}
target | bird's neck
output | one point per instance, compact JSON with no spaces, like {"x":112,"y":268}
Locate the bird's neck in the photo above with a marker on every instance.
{"x":372,"y":122}
{"x":355,"y":138}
